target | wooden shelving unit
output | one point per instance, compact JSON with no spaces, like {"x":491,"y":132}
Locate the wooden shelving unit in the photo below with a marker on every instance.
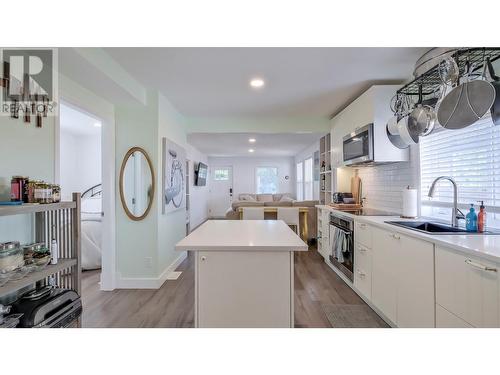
{"x":59,"y":221}
{"x":325,"y":162}
{"x":32,"y":278}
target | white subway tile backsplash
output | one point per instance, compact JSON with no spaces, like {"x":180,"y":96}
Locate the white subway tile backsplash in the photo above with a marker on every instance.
{"x":382,"y":185}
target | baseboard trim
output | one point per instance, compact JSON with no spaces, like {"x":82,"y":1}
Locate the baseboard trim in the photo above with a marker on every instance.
{"x":149,"y":282}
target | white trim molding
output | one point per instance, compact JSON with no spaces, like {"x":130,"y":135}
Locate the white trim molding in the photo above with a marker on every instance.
{"x":149,"y":282}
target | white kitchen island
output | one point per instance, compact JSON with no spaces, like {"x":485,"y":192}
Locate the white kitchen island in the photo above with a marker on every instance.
{"x":243,"y":273}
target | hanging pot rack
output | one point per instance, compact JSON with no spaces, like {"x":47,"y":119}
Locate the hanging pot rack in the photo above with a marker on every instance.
{"x":429,"y":83}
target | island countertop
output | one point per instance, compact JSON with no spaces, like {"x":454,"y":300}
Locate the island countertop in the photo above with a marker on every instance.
{"x":244,"y":235}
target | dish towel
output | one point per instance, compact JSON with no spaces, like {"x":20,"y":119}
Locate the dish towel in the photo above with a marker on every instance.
{"x":341,"y":244}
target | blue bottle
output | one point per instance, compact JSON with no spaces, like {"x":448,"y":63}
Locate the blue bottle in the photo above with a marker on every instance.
{"x":471,"y":220}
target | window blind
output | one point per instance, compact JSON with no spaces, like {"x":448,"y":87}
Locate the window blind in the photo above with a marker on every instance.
{"x":472,"y":157}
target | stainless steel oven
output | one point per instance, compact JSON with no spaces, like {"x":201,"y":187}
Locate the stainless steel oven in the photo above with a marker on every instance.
{"x":342,"y":244}
{"x":358,"y":146}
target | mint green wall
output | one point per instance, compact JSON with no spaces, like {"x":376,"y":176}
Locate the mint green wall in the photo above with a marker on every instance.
{"x":136,"y":240}
{"x":27,"y":151}
{"x":172,"y":226}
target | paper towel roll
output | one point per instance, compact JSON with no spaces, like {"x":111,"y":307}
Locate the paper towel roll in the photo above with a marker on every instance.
{"x":410,"y":203}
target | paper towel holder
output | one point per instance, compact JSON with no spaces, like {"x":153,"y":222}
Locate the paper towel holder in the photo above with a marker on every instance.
{"x":403,"y":216}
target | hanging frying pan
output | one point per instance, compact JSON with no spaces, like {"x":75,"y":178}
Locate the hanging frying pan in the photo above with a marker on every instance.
{"x":466,"y":103}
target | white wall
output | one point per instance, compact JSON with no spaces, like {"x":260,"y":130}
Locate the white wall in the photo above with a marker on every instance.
{"x":244,"y":179}
{"x":80,"y":163}
{"x":198,"y":200}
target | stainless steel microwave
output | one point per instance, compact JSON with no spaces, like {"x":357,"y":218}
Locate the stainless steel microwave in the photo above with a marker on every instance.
{"x":358,"y":146}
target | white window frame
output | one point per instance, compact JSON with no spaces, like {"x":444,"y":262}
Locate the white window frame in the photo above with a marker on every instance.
{"x":300,"y":182}
{"x":257,"y":178}
{"x":308,"y":184}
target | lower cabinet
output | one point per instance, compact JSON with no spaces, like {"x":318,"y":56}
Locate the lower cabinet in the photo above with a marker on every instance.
{"x":468,"y":288}
{"x":445,"y":319}
{"x":324,"y":248}
{"x":403,"y":279}
{"x":363,"y":270}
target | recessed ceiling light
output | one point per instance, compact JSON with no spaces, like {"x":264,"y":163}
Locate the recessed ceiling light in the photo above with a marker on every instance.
{"x":251,"y":140}
{"x":251,"y":150}
{"x":97,"y":124}
{"x":257,"y":83}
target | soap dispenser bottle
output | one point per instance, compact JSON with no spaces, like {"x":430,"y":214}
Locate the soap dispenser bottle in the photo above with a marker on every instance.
{"x":471,"y":220}
{"x":481,"y":218}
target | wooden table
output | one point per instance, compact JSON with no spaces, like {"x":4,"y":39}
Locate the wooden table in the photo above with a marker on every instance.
{"x":304,"y":231}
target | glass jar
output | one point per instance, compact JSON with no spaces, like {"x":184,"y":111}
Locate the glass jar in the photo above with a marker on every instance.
{"x":11,"y":256}
{"x":39,"y":192}
{"x":30,"y":191}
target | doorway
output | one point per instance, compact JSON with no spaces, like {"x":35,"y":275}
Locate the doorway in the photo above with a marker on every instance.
{"x":79,"y":163}
{"x":221,"y":191}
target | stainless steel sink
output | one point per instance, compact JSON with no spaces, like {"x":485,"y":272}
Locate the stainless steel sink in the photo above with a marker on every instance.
{"x":434,"y":228}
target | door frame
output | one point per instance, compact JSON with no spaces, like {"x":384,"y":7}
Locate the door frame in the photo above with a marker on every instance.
{"x":210,"y":175}
{"x":108,"y":257}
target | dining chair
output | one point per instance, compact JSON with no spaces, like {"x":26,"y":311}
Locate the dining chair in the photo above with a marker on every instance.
{"x":253,"y":213}
{"x":290,"y":215}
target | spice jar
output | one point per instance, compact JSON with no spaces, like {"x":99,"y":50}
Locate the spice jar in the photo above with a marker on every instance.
{"x":56,"y":193}
{"x":30,"y":191}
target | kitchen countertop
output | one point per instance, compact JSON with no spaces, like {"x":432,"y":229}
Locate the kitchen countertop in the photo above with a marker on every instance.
{"x":244,"y":235}
{"x":485,"y":246}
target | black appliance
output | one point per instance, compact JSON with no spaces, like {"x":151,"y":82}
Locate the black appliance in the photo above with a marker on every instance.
{"x":201,"y":174}
{"x":358,"y":146}
{"x":342,"y":244}
{"x":48,"y":308}
{"x":339,"y":197}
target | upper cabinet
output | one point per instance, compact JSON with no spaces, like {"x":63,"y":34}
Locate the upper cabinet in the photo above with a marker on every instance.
{"x":372,"y":107}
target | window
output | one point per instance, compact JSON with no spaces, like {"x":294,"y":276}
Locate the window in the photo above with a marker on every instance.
{"x":221,"y":174}
{"x":308,"y":179}
{"x":472,"y":157}
{"x":300,"y":181}
{"x":267,"y":180}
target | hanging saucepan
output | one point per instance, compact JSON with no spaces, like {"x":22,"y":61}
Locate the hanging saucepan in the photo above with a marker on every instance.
{"x":466,"y":103}
{"x":495,"y":108}
{"x":422,"y":118}
{"x":407,"y":132}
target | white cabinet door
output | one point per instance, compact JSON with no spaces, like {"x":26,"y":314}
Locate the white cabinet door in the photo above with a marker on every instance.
{"x":363,"y":234}
{"x":445,"y":319}
{"x":403,"y":278}
{"x":468,"y":287}
{"x":242,"y":289}
{"x":384,"y":276}
{"x":363,"y":270}
{"x":415,"y":286}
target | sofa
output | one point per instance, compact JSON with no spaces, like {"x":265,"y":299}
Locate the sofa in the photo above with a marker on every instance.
{"x":275,"y":200}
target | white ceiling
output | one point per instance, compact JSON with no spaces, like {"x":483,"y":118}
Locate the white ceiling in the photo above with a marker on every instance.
{"x":299,"y":81}
{"x":76,"y":122}
{"x":237,"y":144}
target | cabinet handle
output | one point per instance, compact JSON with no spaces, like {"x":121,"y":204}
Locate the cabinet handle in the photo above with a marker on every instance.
{"x":362,"y":226}
{"x":203,"y":258}
{"x":480,"y":266}
{"x":395,"y":236}
{"x":361,"y":274}
{"x":362,"y":249}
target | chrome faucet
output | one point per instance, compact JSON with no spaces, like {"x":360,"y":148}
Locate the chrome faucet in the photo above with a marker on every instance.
{"x":456,"y":214}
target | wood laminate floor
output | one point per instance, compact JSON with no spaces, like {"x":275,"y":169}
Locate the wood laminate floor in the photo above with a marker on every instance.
{"x":317,"y":289}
